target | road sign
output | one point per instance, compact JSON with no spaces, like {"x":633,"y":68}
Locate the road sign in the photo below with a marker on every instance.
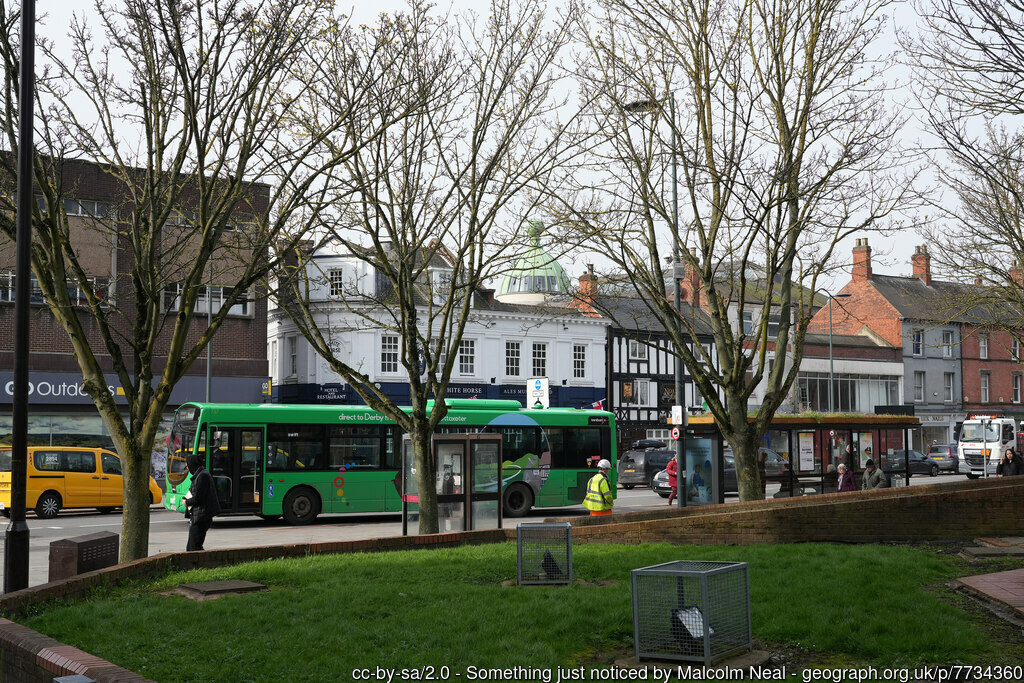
{"x":677,"y":415}
{"x":537,"y":392}
{"x":675,"y":433}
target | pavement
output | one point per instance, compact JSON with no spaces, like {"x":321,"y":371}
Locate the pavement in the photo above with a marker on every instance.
{"x":1003,"y":590}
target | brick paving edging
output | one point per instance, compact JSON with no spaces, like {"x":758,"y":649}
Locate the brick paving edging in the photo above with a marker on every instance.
{"x":956,"y":511}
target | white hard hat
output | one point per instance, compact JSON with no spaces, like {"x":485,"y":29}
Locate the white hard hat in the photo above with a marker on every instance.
{"x":604,"y":465}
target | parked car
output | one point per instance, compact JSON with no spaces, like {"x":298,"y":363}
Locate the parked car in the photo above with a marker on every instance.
{"x":944,"y":455}
{"x":640,"y":466}
{"x":660,"y":482}
{"x":774,"y":464}
{"x":643,"y":444}
{"x":919,"y":463}
{"x":730,"y":474}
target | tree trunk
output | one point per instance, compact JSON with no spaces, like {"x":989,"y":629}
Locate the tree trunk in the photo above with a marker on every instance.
{"x":135,"y":524}
{"x":748,"y":477}
{"x":426,"y":475}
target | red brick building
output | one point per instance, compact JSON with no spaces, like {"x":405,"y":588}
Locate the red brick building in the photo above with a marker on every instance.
{"x":61,"y":413}
{"x":957,"y":353}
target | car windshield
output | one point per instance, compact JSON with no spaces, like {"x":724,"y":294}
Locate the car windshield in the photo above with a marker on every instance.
{"x":978,"y":432}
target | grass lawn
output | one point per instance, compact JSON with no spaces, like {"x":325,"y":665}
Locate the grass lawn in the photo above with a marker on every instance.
{"x":325,"y":616}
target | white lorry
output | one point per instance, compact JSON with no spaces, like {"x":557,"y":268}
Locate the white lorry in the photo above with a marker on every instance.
{"x":983,"y":439}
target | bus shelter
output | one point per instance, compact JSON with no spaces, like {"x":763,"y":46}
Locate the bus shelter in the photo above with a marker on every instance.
{"x":468,"y":480}
{"x":799,"y":454}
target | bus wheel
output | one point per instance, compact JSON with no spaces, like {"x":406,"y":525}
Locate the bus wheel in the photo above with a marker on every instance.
{"x":48,"y":505}
{"x":518,"y":500}
{"x":301,"y":506}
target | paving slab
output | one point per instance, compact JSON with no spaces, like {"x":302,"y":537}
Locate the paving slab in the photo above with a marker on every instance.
{"x":1004,"y":588}
{"x":999,"y":551}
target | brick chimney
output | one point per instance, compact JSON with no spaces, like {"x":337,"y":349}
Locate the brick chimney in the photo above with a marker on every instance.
{"x":588,"y":292}
{"x":922,"y":262}
{"x":1016,"y":274}
{"x":861,"y":260}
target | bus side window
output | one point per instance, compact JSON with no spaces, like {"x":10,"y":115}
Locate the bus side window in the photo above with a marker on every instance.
{"x":275,"y":458}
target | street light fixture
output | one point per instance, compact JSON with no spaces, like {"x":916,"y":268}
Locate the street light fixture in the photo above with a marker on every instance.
{"x":831,"y":368}
{"x":655,"y":105}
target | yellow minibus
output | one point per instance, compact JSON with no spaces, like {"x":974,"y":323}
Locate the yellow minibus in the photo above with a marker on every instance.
{"x":68,"y":477}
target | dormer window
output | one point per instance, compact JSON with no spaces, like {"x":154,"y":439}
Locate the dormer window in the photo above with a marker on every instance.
{"x":440,"y":284}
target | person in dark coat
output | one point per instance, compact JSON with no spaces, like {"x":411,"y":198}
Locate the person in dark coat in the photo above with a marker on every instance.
{"x":1011,"y":464}
{"x":874,"y":478}
{"x":201,"y":502}
{"x":845,"y":478}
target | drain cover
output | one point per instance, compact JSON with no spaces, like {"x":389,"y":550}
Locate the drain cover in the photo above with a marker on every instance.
{"x":215,"y":589}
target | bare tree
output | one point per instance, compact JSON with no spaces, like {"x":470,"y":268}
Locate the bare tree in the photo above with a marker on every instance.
{"x":774,"y":115}
{"x":969,"y":62}
{"x":188,"y":114}
{"x":432,"y":206}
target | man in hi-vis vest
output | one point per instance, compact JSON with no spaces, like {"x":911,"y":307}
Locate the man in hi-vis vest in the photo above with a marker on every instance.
{"x":599,"y":491}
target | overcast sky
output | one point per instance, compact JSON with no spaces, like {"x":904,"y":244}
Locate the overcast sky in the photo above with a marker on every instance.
{"x":891,"y":255}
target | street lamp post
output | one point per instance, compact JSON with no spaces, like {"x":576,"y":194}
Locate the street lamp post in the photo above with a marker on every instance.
{"x":831,"y":368}
{"x":677,"y":371}
{"x":16,"y":538}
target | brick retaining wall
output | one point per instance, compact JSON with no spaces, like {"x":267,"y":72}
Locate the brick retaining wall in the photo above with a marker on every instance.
{"x":954,"y":511}
{"x":960,"y":511}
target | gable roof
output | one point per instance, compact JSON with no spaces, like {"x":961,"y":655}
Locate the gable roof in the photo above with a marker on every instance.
{"x":632,"y":313}
{"x":942,"y":301}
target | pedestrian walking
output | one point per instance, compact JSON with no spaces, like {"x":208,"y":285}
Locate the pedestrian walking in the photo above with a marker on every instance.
{"x":201,"y":504}
{"x":673,"y":481}
{"x":1011,"y":464}
{"x":846,"y":481}
{"x":874,"y":478}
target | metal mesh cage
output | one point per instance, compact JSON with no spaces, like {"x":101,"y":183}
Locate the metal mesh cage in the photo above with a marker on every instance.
{"x":544,"y":553}
{"x":696,"y":611}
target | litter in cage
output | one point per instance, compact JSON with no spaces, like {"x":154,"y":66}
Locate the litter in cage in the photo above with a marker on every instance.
{"x":544,"y":553}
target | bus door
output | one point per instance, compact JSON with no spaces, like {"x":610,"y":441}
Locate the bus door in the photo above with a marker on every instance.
{"x":235,"y":457}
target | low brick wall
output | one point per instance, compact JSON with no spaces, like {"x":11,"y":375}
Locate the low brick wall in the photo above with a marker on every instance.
{"x":950,"y":511}
{"x":31,"y":657}
{"x":960,"y":511}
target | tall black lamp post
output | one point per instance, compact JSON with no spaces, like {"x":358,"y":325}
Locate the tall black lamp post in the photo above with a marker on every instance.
{"x":16,"y":539}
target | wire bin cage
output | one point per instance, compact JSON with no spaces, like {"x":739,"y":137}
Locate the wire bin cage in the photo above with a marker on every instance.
{"x":698,"y":611}
{"x":544,"y":554}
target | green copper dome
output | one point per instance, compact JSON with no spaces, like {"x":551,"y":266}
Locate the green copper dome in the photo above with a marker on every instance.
{"x":536,"y":275}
